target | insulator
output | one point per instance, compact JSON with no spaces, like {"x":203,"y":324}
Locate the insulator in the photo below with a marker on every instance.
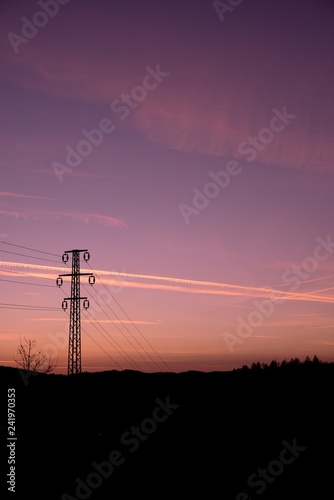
{"x":86,"y":256}
{"x":91,"y":280}
{"x":64,"y":305}
{"x":59,"y":281}
{"x":86,"y":304}
{"x":65,"y":258}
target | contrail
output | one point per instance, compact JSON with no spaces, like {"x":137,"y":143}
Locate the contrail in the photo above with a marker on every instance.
{"x":177,"y":284}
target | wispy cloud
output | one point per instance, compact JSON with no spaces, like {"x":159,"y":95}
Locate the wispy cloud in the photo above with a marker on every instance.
{"x":81,"y":174}
{"x":320,"y":342}
{"x":265,"y":337}
{"x":88,"y":80}
{"x":4,"y":336}
{"x":87,"y":218}
{"x":186,"y":115}
{"x":20,"y":195}
{"x":210,"y":129}
{"x":14,"y":213}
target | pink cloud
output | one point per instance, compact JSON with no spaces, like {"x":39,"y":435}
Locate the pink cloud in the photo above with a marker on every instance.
{"x":210,"y":106}
{"x":14,"y":213}
{"x":186,"y":124}
{"x":104,"y":220}
{"x":19,"y":195}
{"x":87,"y":218}
{"x":89,"y":78}
{"x":81,"y":174}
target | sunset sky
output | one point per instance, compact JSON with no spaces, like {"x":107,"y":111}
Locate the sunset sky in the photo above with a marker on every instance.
{"x":189,"y":147}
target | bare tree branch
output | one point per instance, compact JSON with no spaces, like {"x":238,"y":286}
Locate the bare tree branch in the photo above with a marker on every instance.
{"x":31,"y":360}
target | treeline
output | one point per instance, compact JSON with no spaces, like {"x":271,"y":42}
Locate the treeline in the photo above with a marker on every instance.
{"x":274,"y":365}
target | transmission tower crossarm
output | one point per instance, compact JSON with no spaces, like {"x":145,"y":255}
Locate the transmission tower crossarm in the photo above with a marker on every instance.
{"x":77,"y":274}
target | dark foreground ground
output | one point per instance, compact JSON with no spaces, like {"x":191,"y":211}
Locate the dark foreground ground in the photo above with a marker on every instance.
{"x":246,"y":434}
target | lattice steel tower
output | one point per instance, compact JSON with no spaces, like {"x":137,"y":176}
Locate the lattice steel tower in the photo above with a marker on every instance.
{"x":74,"y":345}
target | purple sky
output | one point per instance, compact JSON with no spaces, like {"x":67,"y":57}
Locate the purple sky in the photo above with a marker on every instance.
{"x":251,"y":94}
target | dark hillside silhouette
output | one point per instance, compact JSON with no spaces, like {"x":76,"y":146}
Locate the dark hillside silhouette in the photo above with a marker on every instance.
{"x":175,"y":435}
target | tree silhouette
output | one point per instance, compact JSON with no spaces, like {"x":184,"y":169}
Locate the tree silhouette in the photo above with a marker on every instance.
{"x":30,"y":359}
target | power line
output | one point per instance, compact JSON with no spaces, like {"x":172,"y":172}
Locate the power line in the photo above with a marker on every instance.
{"x":29,"y":256}
{"x":118,"y":347}
{"x":112,"y":341}
{"x":136,"y":349}
{"x":27,"y":274}
{"x":141,"y":333}
{"x":29,"y":309}
{"x":114,"y":361}
{"x":26,"y":283}
{"x":23,"y":307}
{"x":128,"y":317}
{"x":126,"y":328}
{"x":121,"y":322}
{"x":74,"y":358}
{"x":29,"y":305}
{"x":132,"y":324}
{"x":28,"y":248}
{"x":120,"y":350}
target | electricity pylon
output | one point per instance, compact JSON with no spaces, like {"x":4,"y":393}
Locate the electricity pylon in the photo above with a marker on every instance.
{"x":74,"y":345}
